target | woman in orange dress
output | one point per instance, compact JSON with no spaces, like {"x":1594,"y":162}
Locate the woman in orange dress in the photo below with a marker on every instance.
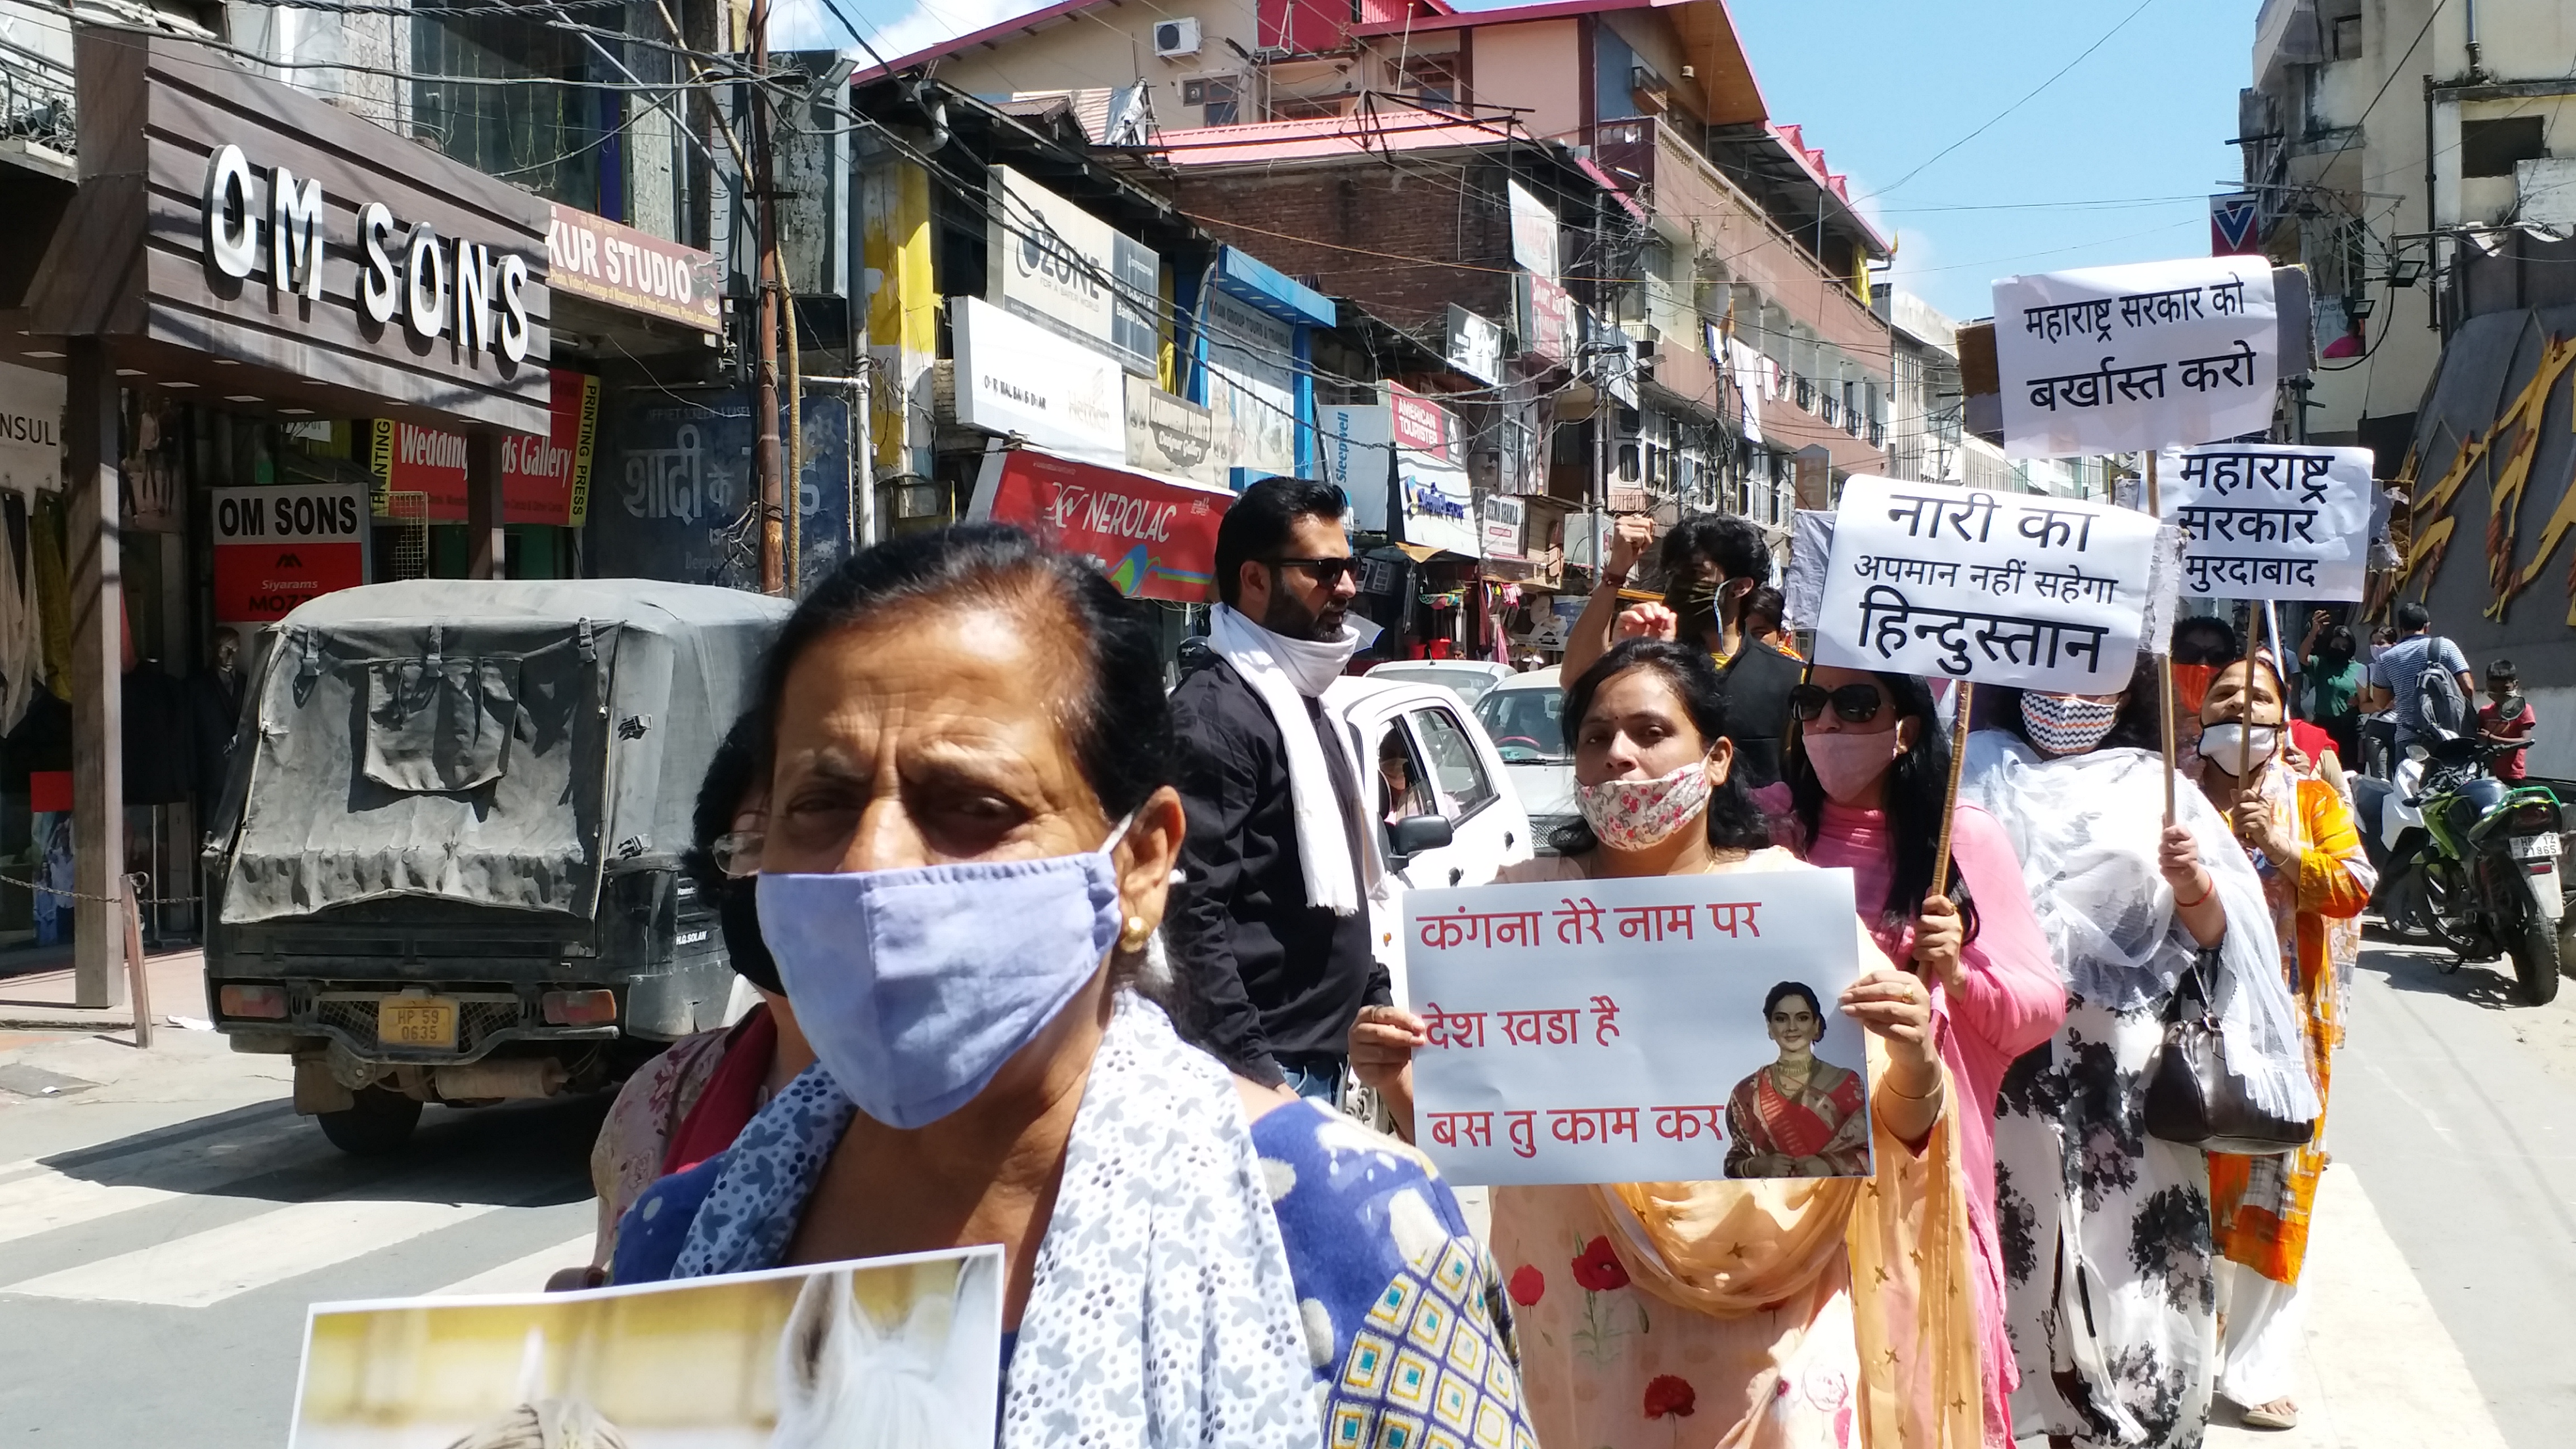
{"x":2316,"y":879}
{"x":1798,"y":1117}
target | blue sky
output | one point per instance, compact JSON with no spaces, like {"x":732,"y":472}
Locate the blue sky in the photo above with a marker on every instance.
{"x":2113,"y":162}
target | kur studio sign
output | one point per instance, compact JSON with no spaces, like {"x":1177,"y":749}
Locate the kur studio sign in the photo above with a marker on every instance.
{"x":268,"y":223}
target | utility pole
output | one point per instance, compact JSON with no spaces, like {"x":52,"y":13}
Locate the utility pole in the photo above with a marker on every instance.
{"x":766,"y":462}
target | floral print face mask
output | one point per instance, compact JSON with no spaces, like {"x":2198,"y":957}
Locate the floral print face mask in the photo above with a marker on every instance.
{"x":1642,"y":814}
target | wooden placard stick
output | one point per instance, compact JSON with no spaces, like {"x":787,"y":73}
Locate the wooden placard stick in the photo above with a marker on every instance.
{"x":1950,"y":797}
{"x":2164,"y":658}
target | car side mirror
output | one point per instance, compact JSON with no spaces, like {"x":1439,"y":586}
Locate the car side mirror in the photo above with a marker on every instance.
{"x":1415,"y":834}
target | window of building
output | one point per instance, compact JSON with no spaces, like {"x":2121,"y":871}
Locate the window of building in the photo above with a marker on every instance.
{"x":2344,"y":38}
{"x":1304,"y":108}
{"x":1219,"y":97}
{"x":2489,"y":148}
{"x":1434,"y":78}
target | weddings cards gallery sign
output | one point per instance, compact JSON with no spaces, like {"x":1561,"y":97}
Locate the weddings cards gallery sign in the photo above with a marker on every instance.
{"x":1617,"y":1030}
{"x":2021,"y":589}
{"x":2269,"y":520}
{"x":2111,"y":359}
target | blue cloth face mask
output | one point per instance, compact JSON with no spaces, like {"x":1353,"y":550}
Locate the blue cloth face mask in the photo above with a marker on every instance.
{"x":915,"y":986}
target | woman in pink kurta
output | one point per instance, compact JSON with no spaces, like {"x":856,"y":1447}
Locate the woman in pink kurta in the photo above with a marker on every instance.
{"x":1865,"y":776}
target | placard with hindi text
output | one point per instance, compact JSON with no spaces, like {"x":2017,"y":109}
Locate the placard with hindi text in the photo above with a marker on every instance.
{"x":2021,"y":589}
{"x":1649,"y":1030}
{"x":2269,"y":520}
{"x":2154,"y":355}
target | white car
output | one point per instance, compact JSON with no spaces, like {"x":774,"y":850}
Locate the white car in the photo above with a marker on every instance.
{"x":1466,"y":678}
{"x":1525,"y":716}
{"x":1444,"y":812}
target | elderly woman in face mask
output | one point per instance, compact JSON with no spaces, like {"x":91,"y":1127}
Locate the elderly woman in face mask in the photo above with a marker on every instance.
{"x":969,"y":841}
{"x":2302,"y":843}
{"x":2110,"y":1293}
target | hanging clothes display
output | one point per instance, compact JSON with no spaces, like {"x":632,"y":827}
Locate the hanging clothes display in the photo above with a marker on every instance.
{"x":21,"y":646}
{"x":53,"y":592}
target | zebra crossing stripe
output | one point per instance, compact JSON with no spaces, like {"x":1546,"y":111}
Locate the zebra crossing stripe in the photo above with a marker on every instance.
{"x":45,"y":1200}
{"x":206,"y":1268}
{"x":522,"y":1275}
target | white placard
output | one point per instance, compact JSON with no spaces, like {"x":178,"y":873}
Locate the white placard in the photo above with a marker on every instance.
{"x":2269,"y":520}
{"x":1614,"y":1030}
{"x":1437,"y":502}
{"x":1999,"y":588}
{"x":2156,"y":355}
{"x":1014,"y":376}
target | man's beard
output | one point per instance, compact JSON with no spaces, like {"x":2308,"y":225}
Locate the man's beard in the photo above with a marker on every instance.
{"x":1290,"y":619}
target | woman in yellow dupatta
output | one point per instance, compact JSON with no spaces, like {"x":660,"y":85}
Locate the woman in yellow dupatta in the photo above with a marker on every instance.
{"x":1723,"y":1315}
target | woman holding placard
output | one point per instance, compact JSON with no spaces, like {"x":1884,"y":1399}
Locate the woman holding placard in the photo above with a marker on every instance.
{"x":2315,"y":874}
{"x":1866,"y":781}
{"x":2110,"y":1292}
{"x":1726,"y":1311}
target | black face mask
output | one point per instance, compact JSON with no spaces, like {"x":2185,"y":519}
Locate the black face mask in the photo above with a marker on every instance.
{"x":1696,"y":606}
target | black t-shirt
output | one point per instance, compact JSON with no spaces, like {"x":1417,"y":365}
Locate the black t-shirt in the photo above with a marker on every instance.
{"x":1758,"y":681}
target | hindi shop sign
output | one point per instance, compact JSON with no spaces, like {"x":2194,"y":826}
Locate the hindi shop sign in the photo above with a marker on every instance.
{"x":277,"y":547}
{"x":2015,"y":588}
{"x":2155,"y":355}
{"x":1616,"y":1030}
{"x":2270,"y":521}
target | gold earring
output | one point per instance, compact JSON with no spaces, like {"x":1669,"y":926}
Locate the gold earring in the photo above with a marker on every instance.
{"x":1133,"y":938}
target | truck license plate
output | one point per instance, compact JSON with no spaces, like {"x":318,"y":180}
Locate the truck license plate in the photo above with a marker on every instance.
{"x":416,"y":1021}
{"x":2535,"y":847}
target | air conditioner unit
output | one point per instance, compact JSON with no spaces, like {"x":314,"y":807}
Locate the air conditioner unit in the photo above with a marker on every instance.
{"x":1176,"y":38}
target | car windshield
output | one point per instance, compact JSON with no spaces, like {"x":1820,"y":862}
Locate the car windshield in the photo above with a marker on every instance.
{"x":1528,"y":725}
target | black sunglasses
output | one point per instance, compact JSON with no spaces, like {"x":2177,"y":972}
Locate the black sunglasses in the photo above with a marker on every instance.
{"x":1328,"y":571}
{"x":1855,"y":703}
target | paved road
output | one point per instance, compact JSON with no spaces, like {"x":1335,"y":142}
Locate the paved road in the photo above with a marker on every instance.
{"x":164,"y":1221}
{"x":165,"y":1218}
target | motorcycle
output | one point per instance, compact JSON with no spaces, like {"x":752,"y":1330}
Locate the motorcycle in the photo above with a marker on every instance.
{"x":2469,"y":861}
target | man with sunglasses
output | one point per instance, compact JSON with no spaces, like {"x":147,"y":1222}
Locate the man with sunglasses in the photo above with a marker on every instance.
{"x":1269,"y":921}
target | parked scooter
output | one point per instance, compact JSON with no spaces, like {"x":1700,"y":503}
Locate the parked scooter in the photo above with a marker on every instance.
{"x":2469,"y":861}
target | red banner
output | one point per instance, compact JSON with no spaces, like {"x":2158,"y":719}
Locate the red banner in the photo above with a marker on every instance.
{"x":275,"y":547}
{"x":543,"y":480}
{"x":1154,"y":540}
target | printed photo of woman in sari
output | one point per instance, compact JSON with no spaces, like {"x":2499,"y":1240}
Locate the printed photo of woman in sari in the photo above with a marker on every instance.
{"x":1797,"y":1117}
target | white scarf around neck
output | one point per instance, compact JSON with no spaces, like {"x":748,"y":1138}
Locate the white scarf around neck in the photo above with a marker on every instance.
{"x":1284,"y":673}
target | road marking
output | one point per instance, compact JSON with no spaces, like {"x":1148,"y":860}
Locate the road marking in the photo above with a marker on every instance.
{"x":523,"y":1275}
{"x":48,"y":1200}
{"x":209,"y":1267}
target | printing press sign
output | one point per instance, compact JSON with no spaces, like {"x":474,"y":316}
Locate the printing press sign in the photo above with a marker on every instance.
{"x":1638,"y":1030}
{"x":2270,"y":521}
{"x":2019,"y":589}
{"x":2160,"y":354}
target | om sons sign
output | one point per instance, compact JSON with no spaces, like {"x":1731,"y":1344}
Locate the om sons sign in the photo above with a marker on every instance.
{"x":438,"y":283}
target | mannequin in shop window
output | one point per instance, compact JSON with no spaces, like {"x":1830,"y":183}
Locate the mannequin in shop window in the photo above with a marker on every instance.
{"x":214,"y":710}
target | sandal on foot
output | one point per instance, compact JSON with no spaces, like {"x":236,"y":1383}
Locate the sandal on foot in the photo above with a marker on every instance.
{"x":2278,"y":1414}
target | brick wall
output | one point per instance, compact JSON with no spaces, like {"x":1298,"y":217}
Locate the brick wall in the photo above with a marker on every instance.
{"x":1356,"y":229}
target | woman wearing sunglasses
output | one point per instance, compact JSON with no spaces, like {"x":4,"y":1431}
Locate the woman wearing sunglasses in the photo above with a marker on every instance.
{"x":1866,"y":777}
{"x":2108,"y":1285}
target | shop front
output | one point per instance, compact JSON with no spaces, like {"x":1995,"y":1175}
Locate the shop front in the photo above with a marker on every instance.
{"x":246,"y":283}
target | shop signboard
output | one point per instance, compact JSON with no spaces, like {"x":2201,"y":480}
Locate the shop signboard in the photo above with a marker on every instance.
{"x":1420,"y":424}
{"x":544,"y":479}
{"x":230,"y":218}
{"x":1436,"y":502}
{"x":1016,"y":377}
{"x":1358,"y":452}
{"x":279,"y":546}
{"x":1534,"y":232}
{"x":605,"y":261}
{"x":1173,"y":436}
{"x":679,"y":501}
{"x":1503,"y":520}
{"x":1252,"y":383}
{"x":31,"y":429}
{"x":1064,"y":269}
{"x":1154,"y":539}
{"x":1475,"y":345}
{"x":1543,"y":316}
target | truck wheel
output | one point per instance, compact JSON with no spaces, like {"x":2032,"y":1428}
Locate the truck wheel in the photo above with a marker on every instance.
{"x":381,"y":1122}
{"x":2535,"y":959}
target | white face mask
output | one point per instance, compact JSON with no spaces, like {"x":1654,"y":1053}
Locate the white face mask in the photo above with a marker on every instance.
{"x":2229,"y":745}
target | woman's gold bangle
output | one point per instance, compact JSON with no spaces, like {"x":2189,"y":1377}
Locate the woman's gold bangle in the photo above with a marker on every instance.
{"x":1890,"y":1083}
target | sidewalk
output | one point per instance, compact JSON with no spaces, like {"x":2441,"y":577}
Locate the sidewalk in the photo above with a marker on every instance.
{"x":42,"y":1000}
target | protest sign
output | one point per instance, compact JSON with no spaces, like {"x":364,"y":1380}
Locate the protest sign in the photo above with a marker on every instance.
{"x":2020,"y":589}
{"x":878,"y":1351}
{"x":1616,"y":1030}
{"x":2269,"y":520}
{"x":2110,"y":359}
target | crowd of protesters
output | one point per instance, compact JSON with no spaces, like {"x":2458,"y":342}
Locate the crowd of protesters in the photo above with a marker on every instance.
{"x":1052,"y":958}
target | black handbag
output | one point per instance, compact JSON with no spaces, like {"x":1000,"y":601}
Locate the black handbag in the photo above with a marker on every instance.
{"x":2192,"y":1098}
